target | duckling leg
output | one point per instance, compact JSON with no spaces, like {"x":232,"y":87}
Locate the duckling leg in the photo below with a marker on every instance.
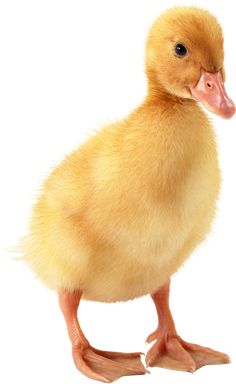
{"x":93,"y":363}
{"x":170,"y":351}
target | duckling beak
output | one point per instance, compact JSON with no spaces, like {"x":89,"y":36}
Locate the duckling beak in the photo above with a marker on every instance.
{"x":210,"y":91}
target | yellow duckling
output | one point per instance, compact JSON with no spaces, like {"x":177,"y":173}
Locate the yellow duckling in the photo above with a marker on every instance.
{"x":121,"y":213}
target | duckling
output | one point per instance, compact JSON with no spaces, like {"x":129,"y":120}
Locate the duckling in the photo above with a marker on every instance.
{"x":118,"y":217}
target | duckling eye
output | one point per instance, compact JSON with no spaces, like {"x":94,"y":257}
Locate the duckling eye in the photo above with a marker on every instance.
{"x":181,"y":50}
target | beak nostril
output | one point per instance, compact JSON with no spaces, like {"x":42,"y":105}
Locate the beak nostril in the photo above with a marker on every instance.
{"x":208,"y":85}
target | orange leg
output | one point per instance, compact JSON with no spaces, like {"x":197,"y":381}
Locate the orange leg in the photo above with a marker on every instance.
{"x":93,"y":363}
{"x":170,"y":351}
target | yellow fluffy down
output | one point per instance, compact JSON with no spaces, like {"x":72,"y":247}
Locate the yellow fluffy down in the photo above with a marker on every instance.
{"x":120,"y":215}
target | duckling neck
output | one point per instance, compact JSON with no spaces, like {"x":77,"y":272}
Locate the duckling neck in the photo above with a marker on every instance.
{"x":158,"y":94}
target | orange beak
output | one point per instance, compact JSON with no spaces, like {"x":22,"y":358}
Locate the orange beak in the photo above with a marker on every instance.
{"x":210,"y":91}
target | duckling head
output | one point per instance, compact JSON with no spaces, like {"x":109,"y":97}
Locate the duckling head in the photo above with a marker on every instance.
{"x":185,"y":58}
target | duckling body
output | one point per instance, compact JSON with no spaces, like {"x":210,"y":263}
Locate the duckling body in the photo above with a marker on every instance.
{"x":123,"y":212}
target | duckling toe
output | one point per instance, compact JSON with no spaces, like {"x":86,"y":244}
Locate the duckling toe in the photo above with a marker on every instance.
{"x":170,"y":354}
{"x":205,"y":356}
{"x":151,"y":337}
{"x":107,"y":366}
{"x":175,"y":353}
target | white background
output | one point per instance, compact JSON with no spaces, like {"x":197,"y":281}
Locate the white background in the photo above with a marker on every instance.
{"x":67,"y":67}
